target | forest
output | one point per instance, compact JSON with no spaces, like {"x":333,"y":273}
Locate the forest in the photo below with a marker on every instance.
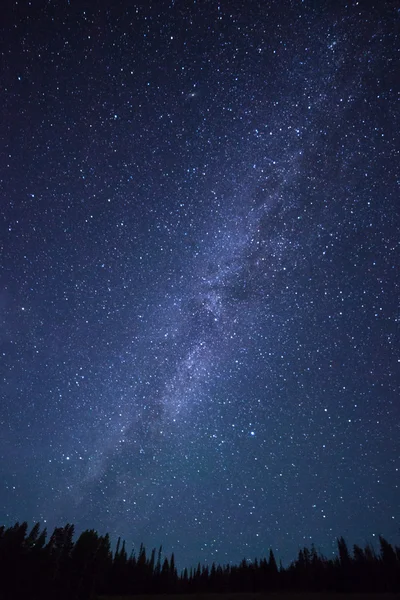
{"x":33,"y":565}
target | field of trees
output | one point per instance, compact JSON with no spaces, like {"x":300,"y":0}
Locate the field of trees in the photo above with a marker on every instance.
{"x":35,"y":566}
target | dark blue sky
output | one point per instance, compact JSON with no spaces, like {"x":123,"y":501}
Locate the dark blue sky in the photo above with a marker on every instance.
{"x":199,"y":296}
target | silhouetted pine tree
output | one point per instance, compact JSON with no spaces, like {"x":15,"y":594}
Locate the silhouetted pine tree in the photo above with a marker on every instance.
{"x":273,"y":575}
{"x":173,"y":575}
{"x":118,"y":576}
{"x":164,"y":576}
{"x":184,"y":582}
{"x":90,"y":560}
{"x":389,"y":565}
{"x":11,"y":557}
{"x":156,"y":580}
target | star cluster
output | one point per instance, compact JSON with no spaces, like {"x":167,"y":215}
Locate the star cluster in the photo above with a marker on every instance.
{"x":199,"y":295}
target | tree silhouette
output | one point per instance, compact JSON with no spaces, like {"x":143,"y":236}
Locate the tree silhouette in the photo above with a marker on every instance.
{"x":81,"y":570}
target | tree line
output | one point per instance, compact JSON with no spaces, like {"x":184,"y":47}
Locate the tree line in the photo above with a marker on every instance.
{"x":33,"y":565}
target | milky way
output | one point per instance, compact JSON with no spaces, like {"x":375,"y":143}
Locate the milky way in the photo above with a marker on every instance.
{"x":199,"y":292}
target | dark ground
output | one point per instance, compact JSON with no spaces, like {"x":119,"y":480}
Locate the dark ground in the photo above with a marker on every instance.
{"x":277,"y":596}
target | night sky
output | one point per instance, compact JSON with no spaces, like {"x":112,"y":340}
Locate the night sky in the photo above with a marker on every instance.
{"x":199,"y":287}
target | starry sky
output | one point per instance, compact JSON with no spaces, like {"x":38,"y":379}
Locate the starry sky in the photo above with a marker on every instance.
{"x":199,"y":295}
